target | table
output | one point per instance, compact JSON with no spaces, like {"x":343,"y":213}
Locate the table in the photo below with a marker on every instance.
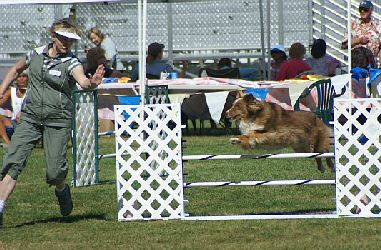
{"x":215,"y":90}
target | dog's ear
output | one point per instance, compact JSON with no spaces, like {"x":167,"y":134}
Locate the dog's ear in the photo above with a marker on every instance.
{"x":248,"y":98}
{"x":253,"y":105}
{"x":239,"y":94}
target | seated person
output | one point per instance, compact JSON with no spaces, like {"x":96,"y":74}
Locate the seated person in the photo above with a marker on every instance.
{"x":320,"y":62}
{"x":278,"y":54}
{"x":295,"y":65}
{"x":362,"y":61}
{"x":155,"y":63}
{"x":362,"y":58}
{"x":16,"y":95}
{"x":249,"y":74}
{"x":95,"y":57}
{"x":224,"y":63}
{"x":100,"y":40}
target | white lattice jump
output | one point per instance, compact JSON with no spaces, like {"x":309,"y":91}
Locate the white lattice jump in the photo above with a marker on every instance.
{"x":148,"y":162}
{"x":150,"y":174}
{"x":260,"y":183}
{"x":358,"y":157}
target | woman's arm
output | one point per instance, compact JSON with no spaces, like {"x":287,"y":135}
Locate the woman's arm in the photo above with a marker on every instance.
{"x":11,"y":75}
{"x":6,"y":97}
{"x":91,"y":82}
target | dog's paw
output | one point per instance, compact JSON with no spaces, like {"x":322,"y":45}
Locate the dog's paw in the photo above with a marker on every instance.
{"x":235,"y":140}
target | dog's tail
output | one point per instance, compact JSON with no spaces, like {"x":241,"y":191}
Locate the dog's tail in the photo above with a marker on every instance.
{"x":323,"y":142}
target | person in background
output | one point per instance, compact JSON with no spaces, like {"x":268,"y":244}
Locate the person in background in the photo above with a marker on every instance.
{"x":155,"y":64}
{"x":249,"y":74}
{"x":95,"y":57}
{"x":54,"y":73}
{"x":16,"y":95}
{"x":278,"y":54}
{"x":320,"y":62}
{"x":362,"y":58}
{"x":100,"y":40}
{"x":224,"y":63}
{"x":295,"y":65}
{"x":366,"y":31}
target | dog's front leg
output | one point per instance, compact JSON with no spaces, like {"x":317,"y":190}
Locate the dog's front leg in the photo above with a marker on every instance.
{"x":245,"y":141}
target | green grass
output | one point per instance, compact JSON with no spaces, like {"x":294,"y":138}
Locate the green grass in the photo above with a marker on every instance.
{"x":32,"y":219}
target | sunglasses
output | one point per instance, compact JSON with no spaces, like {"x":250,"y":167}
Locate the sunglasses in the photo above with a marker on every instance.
{"x":364,"y":10}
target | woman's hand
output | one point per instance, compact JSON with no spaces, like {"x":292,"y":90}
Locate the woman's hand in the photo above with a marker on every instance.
{"x":18,"y":118}
{"x":91,"y":81}
{"x":98,"y":75}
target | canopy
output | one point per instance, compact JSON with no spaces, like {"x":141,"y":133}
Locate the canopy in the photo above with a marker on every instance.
{"x":90,"y":1}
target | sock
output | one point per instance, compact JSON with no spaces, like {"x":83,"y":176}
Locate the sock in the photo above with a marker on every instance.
{"x":2,"y":206}
{"x":60,"y":190}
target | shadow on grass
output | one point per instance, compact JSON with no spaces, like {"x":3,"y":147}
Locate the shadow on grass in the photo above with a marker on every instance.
{"x":68,"y":219}
{"x":295,"y":212}
{"x":107,"y":182}
{"x":299,"y":212}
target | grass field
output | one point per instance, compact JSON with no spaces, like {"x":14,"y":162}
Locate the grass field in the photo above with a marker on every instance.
{"x":32,"y":219}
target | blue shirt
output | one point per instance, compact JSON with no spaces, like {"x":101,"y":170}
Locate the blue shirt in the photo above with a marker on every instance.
{"x":154,"y":68}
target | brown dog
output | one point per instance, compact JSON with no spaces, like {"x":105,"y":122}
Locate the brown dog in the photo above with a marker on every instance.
{"x":269,"y":125}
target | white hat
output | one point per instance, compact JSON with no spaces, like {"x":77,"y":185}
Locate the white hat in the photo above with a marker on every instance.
{"x":68,"y":33}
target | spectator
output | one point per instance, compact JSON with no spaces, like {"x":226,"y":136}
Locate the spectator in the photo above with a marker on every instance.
{"x":224,"y":63}
{"x":320,"y":62}
{"x":95,"y":57}
{"x":100,"y":40}
{"x":295,"y":65}
{"x":362,"y":58}
{"x":278,"y":54}
{"x":366,"y":31}
{"x":155,"y":63}
{"x":53,"y":74}
{"x":249,"y":74}
{"x":16,"y":95}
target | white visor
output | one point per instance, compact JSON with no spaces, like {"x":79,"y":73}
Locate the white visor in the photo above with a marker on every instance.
{"x":68,"y":35}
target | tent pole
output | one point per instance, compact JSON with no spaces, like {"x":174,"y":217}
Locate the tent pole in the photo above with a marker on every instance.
{"x":280,"y":22}
{"x":263,"y":59}
{"x":268,"y":19}
{"x":170,"y":33}
{"x":349,"y":23}
{"x":142,"y":16}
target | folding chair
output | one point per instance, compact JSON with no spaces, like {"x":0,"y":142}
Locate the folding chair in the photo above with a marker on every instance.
{"x":232,"y":73}
{"x":325,"y":93}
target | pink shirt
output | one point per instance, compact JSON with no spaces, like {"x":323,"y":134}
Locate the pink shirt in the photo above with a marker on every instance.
{"x":291,"y":68}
